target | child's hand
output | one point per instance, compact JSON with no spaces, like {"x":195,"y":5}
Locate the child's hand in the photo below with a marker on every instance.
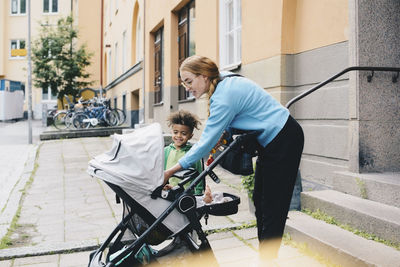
{"x":207,"y":195}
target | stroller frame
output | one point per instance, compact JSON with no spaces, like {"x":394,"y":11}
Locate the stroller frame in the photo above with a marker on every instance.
{"x":185,"y":202}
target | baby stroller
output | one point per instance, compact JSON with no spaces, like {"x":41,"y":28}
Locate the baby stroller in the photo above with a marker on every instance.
{"x":156,"y":223}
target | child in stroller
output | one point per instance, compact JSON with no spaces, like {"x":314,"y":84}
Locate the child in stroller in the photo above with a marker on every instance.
{"x":133,"y":169}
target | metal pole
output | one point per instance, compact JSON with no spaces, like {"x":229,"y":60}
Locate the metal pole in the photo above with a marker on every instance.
{"x":29,"y":75}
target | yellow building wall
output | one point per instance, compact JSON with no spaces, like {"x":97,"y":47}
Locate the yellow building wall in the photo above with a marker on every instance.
{"x":261,"y":29}
{"x":275,"y":27}
{"x":207,"y":38}
{"x":2,"y":39}
{"x":88,"y":21}
{"x":320,"y":23}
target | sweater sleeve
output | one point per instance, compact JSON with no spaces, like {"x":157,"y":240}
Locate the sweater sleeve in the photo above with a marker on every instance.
{"x":221,"y":115}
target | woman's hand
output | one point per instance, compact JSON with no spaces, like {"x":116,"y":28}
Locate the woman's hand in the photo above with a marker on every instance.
{"x":168,"y":173}
{"x":221,"y":141}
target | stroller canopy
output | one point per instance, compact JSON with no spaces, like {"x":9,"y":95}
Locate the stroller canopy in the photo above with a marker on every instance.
{"x":136,"y":164}
{"x":136,"y":160}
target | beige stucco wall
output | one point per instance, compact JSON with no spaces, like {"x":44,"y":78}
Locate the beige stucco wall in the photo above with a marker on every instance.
{"x":16,"y":27}
{"x":2,"y":37}
{"x":261,"y":29}
{"x":271,"y":29}
{"x":275,"y":27}
{"x":320,"y":23}
{"x":88,"y":21}
{"x":120,"y":20}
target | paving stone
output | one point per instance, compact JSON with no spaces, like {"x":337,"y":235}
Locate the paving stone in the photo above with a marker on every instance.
{"x":234,"y":254}
{"x":74,"y":260}
{"x":72,"y":210}
{"x":35,"y":261}
{"x":7,"y":263}
{"x":226,"y":243}
{"x":246,"y":234}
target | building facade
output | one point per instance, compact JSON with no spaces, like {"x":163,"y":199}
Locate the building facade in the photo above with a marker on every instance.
{"x":14,"y":37}
{"x":287,"y":47}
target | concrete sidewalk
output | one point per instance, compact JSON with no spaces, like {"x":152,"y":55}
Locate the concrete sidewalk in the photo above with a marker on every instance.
{"x":65,"y":213}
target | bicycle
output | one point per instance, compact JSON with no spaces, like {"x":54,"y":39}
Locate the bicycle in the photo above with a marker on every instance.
{"x":93,"y":116}
{"x":62,"y":120}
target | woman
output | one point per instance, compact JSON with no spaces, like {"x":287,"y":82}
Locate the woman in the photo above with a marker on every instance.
{"x":237,"y":102}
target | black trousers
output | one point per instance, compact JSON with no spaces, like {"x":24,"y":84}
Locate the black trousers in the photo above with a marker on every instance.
{"x":276,"y":171}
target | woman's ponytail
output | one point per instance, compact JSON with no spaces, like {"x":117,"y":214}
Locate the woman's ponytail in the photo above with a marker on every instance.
{"x":213,"y":85}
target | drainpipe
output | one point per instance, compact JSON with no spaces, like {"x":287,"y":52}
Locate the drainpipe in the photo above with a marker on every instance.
{"x":101,"y":48}
{"x":142,"y":119}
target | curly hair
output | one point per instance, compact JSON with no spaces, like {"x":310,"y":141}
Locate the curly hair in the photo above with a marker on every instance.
{"x":184,"y":117}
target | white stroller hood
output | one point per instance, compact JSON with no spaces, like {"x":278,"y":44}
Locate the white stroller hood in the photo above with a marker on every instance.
{"x":136,"y":160}
{"x":136,"y":164}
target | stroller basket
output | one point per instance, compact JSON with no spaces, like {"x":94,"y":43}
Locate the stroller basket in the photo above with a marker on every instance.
{"x":224,"y":208}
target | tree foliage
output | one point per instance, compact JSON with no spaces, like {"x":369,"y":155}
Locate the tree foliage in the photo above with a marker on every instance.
{"x":58,"y":62}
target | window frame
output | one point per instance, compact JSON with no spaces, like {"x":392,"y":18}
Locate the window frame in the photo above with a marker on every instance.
{"x":139,"y":40}
{"x":230,"y":29}
{"x":49,"y":98}
{"x":116,"y":60}
{"x":18,"y":42}
{"x":109,"y":67}
{"x":50,"y":7}
{"x":186,"y":25}
{"x":18,"y":7}
{"x":159,"y":80}
{"x":124,"y":52}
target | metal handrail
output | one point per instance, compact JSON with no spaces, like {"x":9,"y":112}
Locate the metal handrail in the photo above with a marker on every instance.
{"x":391,"y":69}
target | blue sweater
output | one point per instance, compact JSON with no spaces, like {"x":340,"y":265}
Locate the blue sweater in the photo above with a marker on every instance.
{"x":238,"y":103}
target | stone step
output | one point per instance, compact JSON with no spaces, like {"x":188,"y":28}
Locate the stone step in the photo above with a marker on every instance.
{"x":380,"y":187}
{"x":361,"y":214}
{"x":78,"y":133}
{"x":337,"y":245}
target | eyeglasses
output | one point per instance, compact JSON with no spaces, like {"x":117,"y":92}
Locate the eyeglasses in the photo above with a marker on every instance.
{"x":188,"y":84}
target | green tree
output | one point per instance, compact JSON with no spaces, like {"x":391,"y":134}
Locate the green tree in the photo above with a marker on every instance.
{"x":58,"y":62}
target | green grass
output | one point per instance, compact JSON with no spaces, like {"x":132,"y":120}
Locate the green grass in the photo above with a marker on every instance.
{"x":319,"y":215}
{"x":6,"y":241}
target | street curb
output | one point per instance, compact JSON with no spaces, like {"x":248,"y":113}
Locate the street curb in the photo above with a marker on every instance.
{"x":58,"y":248}
{"x":69,"y":247}
{"x":13,"y":202}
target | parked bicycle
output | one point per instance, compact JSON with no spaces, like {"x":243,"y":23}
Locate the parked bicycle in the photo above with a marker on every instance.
{"x":120,"y":112}
{"x":62,"y":120}
{"x":94,"y":115}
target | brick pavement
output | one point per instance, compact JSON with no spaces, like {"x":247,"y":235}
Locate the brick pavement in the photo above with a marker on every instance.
{"x":66,"y":210}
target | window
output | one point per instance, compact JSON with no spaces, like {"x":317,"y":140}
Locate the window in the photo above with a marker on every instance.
{"x":158,"y":66}
{"x":49,"y":94}
{"x":139,"y":42}
{"x":116,"y":63}
{"x":186,"y":40}
{"x":18,"y":7}
{"x":123,"y":63}
{"x":18,"y":49}
{"x":124,"y":103}
{"x":230,"y":49}
{"x":109,"y":67}
{"x":50,"y":6}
